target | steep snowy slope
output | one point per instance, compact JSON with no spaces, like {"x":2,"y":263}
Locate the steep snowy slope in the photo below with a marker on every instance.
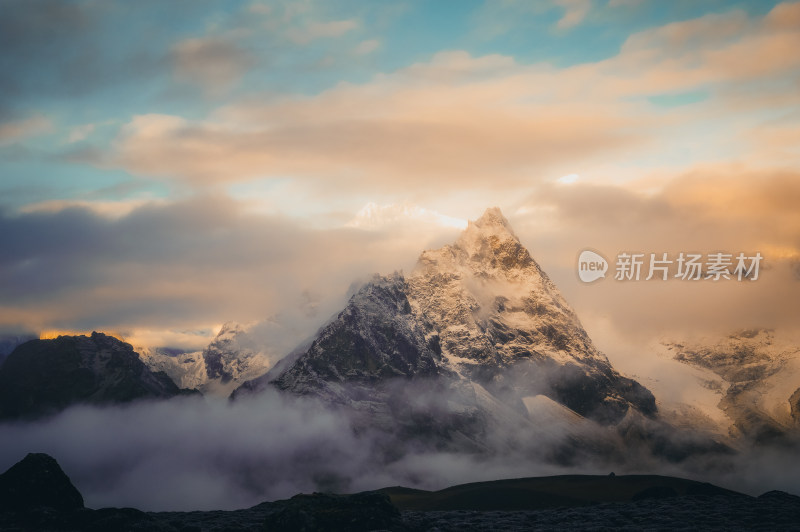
{"x":500,"y":321}
{"x":187,"y":370}
{"x":232,"y":358}
{"x":757,"y":379}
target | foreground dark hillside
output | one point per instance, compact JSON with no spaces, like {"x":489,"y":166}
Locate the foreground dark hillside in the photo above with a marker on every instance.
{"x":35,"y":494}
{"x":538,"y":493}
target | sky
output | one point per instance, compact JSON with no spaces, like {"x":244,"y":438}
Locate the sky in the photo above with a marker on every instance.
{"x":169,"y":166}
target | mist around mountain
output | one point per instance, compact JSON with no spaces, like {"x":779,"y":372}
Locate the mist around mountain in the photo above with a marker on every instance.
{"x":472,"y":367}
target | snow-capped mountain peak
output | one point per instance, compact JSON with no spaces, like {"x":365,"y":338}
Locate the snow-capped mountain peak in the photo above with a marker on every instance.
{"x":490,"y":239}
{"x":488,"y":249}
{"x":492,"y":222}
{"x":487,"y":283}
{"x":479,"y":311}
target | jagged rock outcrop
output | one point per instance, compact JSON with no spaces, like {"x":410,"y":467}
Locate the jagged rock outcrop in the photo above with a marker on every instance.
{"x":375,"y":337}
{"x":43,"y":377}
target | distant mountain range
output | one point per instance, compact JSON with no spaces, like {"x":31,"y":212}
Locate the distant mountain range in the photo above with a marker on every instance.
{"x":476,"y":345}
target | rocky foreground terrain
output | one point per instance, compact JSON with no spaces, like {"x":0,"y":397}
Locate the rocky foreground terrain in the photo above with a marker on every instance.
{"x":36,"y":494}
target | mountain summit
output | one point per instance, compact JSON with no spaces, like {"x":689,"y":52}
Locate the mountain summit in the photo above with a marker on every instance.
{"x":479,"y":318}
{"x":492,"y":308}
{"x":492,"y":222}
{"x":488,"y":247}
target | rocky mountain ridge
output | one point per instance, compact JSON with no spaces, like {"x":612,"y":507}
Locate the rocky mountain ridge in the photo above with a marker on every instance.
{"x":43,"y":377}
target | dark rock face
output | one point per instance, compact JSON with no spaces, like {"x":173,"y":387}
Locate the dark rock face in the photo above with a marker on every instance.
{"x":601,"y":394}
{"x":9,"y":342}
{"x":332,"y":513}
{"x":375,"y":359}
{"x":375,"y":337}
{"x":38,"y":482}
{"x":43,"y":377}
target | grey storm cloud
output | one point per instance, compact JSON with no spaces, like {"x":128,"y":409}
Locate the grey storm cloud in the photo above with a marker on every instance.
{"x":200,"y":260}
